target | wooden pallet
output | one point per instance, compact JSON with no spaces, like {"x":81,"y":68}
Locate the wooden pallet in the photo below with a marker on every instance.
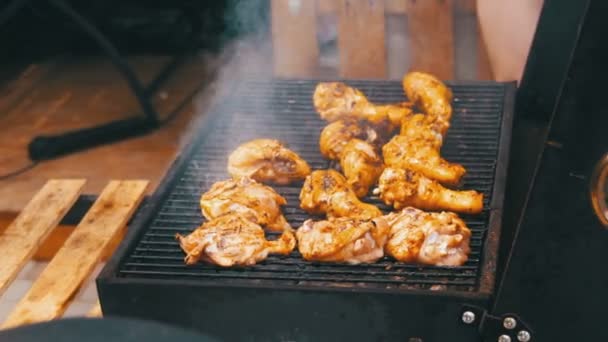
{"x":361,"y":36}
{"x":76,"y":259}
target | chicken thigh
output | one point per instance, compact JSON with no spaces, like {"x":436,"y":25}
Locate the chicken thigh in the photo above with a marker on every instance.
{"x":440,"y":239}
{"x":267,"y":160}
{"x":257,"y":202}
{"x":343,"y":240}
{"x":232,"y":240}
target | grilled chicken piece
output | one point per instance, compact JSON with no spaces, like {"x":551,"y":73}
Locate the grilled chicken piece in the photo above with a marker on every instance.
{"x":401,"y":188}
{"x":343,"y":240}
{"x":430,"y":94}
{"x":338,"y":133}
{"x":336,"y":100}
{"x":440,"y":239}
{"x":267,"y":160}
{"x":257,"y":202}
{"x":419,"y":155}
{"x":231,"y":240}
{"x":424,"y":128}
{"x":361,"y":165}
{"x":327,"y":192}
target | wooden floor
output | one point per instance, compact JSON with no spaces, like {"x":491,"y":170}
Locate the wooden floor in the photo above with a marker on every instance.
{"x":65,"y":94}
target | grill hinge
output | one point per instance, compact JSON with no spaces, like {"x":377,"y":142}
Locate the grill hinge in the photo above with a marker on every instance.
{"x":505,"y":328}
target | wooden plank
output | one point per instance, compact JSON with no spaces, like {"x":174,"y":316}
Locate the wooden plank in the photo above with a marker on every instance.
{"x":432,"y":37}
{"x":484,"y":69}
{"x":466,"y":6}
{"x":396,"y":7}
{"x":327,"y":7}
{"x":361,"y":43}
{"x":294,"y":28}
{"x":95,"y":311}
{"x":79,"y":255}
{"x":22,"y":238}
{"x":53,"y":243}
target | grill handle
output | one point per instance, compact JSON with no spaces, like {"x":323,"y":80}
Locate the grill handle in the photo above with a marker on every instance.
{"x":49,"y":147}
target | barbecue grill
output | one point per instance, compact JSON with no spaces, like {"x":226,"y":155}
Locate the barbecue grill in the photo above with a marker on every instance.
{"x":289,"y":299}
{"x":283,"y":109}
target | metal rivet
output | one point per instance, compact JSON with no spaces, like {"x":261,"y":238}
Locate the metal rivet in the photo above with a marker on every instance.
{"x":468,"y":317}
{"x":523,"y":336}
{"x":509,"y":323}
{"x":504,"y":338}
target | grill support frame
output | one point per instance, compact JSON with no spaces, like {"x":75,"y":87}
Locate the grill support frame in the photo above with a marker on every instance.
{"x":149,"y":298}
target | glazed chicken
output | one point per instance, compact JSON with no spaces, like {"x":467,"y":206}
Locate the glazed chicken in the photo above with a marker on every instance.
{"x":232,"y":240}
{"x":402,"y":188}
{"x":327,"y":192}
{"x":428,"y":93}
{"x":338,"y":133}
{"x":418,"y":155}
{"x":361,"y":166}
{"x":267,"y":160}
{"x":440,"y":239}
{"x":336,"y":100}
{"x":257,"y":202}
{"x":343,"y":240}
{"x":423,"y":128}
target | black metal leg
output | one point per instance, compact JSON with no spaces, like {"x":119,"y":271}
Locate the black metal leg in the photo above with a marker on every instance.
{"x":47,"y":147}
{"x":117,"y":59}
{"x":178,"y":59}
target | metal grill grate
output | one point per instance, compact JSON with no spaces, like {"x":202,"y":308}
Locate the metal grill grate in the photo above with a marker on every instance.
{"x":283,"y":109}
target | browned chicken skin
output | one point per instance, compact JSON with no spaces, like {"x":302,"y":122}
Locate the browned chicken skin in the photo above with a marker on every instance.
{"x":267,"y":160}
{"x":430,"y":94}
{"x":361,"y":166}
{"x":402,"y":188}
{"x":327,"y":192}
{"x":423,"y":128}
{"x":336,"y":100}
{"x":257,"y":202}
{"x":343,"y":240}
{"x":231,"y":240}
{"x":337,"y":134}
{"x":440,"y":239}
{"x":419,"y":155}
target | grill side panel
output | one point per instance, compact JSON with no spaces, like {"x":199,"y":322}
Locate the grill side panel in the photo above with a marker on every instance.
{"x":282,"y":109}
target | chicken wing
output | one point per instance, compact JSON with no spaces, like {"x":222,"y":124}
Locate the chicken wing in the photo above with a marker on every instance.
{"x":361,"y":166}
{"x":343,"y":240}
{"x":231,"y":240}
{"x":418,"y":155}
{"x":267,"y":160}
{"x":257,"y":202}
{"x":338,"y":133}
{"x":429,"y":93}
{"x":327,"y":192}
{"x":401,"y":188}
{"x":336,"y":100}
{"x":440,"y":239}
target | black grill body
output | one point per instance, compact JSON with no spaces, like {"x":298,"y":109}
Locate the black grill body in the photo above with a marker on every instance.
{"x":287,"y":298}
